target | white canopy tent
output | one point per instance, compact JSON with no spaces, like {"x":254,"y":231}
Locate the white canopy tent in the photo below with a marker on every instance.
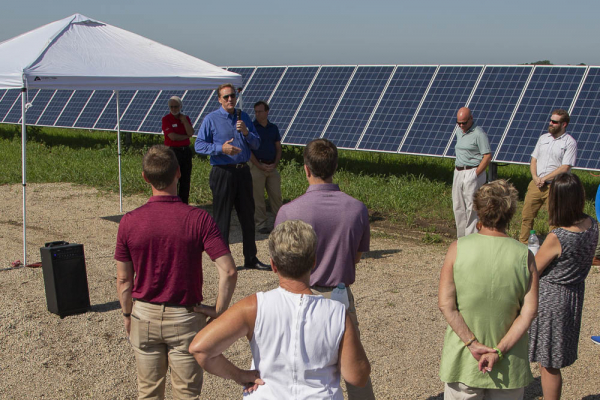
{"x":81,"y":53}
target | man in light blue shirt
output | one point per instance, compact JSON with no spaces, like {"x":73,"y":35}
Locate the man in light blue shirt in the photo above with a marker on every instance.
{"x":473,"y":155}
{"x":227,"y":135}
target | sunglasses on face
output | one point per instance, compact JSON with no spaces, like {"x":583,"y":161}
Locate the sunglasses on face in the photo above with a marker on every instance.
{"x":462,"y":123}
{"x":227,"y":96}
{"x":553,"y":122}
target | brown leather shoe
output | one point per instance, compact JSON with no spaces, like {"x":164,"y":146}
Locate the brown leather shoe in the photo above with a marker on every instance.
{"x":596,"y":261}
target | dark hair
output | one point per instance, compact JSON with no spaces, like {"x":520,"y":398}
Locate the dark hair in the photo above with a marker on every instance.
{"x":160,"y":166}
{"x":321,"y":157}
{"x":566,"y":200}
{"x":564,"y":115}
{"x":293,"y":248}
{"x":223,"y":86}
{"x":262,"y":102}
{"x":496,"y":203}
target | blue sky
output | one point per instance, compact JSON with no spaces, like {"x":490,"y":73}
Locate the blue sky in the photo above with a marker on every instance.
{"x":264,"y":32}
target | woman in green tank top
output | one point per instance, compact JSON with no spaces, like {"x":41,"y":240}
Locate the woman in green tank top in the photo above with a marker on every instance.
{"x":489,"y":295}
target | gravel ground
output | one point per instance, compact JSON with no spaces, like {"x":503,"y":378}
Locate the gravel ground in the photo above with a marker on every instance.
{"x":87,"y":355}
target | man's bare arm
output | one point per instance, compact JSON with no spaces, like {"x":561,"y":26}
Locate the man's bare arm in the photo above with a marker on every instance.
{"x":553,"y":174}
{"x":124,"y":288}
{"x":227,"y":280}
{"x":485,"y":161}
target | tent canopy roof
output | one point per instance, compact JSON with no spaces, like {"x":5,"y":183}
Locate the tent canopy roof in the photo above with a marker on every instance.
{"x":81,"y":53}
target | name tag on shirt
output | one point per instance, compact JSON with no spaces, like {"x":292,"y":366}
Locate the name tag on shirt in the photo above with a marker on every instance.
{"x":174,"y":125}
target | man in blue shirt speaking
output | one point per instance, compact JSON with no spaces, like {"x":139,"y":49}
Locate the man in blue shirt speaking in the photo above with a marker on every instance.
{"x":227,"y":135}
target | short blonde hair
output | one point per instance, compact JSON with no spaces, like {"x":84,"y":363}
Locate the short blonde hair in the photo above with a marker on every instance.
{"x":496,"y":203}
{"x":293,"y":248}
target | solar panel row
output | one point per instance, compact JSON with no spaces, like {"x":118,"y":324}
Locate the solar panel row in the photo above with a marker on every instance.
{"x":389,"y":108}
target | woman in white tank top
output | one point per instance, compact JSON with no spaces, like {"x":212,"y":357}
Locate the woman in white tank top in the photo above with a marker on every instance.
{"x":300,"y":342}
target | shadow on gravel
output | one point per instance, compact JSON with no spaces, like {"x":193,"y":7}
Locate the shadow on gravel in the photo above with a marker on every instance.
{"x":532,"y":392}
{"x":591,"y":397}
{"x":379,"y":254}
{"x":113,"y":218}
{"x":111,"y":306}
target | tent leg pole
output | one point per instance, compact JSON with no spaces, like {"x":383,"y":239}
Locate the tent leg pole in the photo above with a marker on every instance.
{"x":119,"y":151}
{"x":24,"y":171}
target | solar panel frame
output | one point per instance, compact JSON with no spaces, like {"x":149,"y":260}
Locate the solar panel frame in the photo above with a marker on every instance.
{"x":585,"y":121}
{"x":386,"y":127}
{"x":491,"y":104}
{"x":261,"y":86}
{"x":320,"y":103}
{"x":55,"y":108}
{"x":93,"y":109}
{"x":12,"y":96}
{"x":289,"y":94}
{"x":360,"y":125}
{"x":138,"y":108}
{"x":72,"y":108}
{"x":357,"y":104}
{"x":108,"y":119}
{"x":38,"y":105}
{"x":432,"y":131}
{"x":533,"y":111}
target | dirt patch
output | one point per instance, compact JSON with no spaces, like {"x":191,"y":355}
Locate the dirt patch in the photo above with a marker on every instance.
{"x":87,"y":355}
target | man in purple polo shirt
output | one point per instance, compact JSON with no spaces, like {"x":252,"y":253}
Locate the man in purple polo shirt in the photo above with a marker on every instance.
{"x":342,"y":237}
{"x":159,"y":279}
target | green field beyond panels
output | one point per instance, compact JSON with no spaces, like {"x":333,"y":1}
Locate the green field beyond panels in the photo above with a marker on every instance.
{"x":408,"y":191}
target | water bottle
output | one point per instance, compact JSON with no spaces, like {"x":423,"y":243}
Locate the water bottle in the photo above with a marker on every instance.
{"x":533,"y":243}
{"x":341,"y":294}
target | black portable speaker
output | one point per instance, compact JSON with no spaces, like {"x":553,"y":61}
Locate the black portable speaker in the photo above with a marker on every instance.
{"x":65,"y":278}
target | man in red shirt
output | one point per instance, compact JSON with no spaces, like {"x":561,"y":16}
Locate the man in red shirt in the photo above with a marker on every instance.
{"x":178,"y":130}
{"x":159,"y":279}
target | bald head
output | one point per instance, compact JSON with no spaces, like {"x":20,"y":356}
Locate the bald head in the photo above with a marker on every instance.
{"x":464,"y":119}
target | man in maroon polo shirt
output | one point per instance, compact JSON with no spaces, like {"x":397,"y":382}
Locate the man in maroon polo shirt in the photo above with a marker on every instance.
{"x":177,"y":128}
{"x":159,"y":279}
{"x":342,"y":226}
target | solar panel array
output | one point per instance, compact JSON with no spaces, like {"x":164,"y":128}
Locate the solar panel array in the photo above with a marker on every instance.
{"x":408,"y":109}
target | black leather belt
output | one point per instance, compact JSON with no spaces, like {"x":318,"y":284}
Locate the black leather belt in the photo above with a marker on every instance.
{"x":464,"y":168}
{"x":233,"y":166}
{"x":180,"y":148}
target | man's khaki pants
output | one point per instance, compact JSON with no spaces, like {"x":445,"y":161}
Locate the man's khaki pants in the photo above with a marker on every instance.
{"x":354,"y":392}
{"x":464,"y":185}
{"x":460,"y":391}
{"x":534,"y":200}
{"x":262,"y":180}
{"x":160,"y":336}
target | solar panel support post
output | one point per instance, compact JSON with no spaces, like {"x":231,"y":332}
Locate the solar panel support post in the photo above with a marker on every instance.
{"x":492,"y":172}
{"x":119,"y":151}
{"x":24,"y":171}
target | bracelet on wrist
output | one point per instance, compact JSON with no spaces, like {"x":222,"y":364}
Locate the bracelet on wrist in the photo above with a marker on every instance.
{"x":470,"y":341}
{"x":500,"y":355}
{"x":127,"y":314}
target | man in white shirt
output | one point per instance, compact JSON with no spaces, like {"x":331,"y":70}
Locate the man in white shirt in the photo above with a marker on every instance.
{"x":554,"y":153}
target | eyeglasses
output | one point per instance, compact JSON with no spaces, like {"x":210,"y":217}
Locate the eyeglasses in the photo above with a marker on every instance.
{"x":553,"y":122}
{"x":462,"y":123}
{"x":227,"y":96}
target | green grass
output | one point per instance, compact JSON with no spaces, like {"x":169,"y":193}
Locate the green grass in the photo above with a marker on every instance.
{"x":409,"y":191}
